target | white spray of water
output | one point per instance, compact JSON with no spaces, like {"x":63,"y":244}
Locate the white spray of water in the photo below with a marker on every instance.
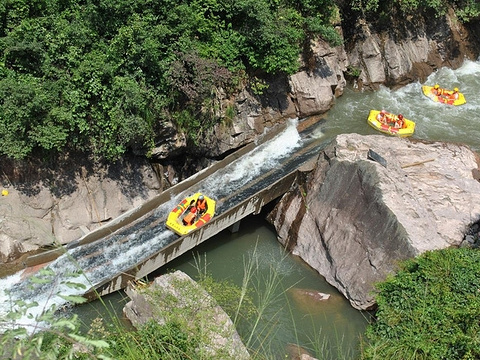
{"x":114,"y":259}
{"x":469,"y":68}
{"x":266,"y":156}
{"x":241,"y":171}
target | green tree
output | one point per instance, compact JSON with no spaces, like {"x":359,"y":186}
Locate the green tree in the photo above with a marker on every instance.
{"x":22,"y":101}
{"x":102,"y":76}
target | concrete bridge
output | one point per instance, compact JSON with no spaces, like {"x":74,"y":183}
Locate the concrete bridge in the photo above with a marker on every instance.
{"x":271,"y":188}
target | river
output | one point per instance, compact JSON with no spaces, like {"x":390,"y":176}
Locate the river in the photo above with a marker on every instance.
{"x":434,"y":121}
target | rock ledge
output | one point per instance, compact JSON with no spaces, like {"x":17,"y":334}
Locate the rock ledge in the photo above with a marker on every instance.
{"x":353,"y":219}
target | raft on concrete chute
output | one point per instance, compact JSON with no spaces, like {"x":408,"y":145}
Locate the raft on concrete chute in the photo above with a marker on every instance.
{"x":175,"y":220}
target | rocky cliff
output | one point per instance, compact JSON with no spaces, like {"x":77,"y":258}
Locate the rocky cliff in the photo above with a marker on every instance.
{"x":407,"y":50}
{"x":353,"y":219}
{"x":51,"y":204}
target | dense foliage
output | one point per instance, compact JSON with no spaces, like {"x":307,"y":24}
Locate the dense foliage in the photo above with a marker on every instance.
{"x":100,"y":76}
{"x":430,"y":309}
{"x":464,"y":9}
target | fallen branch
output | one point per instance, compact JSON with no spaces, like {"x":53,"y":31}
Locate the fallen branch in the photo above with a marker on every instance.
{"x":416,"y":163}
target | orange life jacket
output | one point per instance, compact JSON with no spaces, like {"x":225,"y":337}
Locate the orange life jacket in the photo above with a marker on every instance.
{"x":202,"y":205}
{"x":189,"y":218}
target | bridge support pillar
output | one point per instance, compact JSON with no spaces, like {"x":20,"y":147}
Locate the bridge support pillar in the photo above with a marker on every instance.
{"x":235,"y":227}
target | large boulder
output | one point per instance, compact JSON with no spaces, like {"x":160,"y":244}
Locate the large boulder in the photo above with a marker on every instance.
{"x":176,"y":297}
{"x":353,"y":219}
{"x":314,"y":90}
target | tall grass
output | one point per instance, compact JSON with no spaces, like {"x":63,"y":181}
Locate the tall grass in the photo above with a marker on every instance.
{"x":265,"y":290}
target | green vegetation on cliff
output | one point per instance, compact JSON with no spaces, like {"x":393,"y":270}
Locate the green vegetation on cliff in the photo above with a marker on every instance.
{"x":429,"y":310}
{"x":464,"y":9}
{"x":100,"y":76}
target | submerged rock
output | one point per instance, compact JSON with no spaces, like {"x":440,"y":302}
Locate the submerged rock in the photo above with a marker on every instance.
{"x":298,"y":353}
{"x":353,"y":219}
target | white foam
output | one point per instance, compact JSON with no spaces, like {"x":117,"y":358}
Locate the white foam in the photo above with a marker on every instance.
{"x":44,"y":295}
{"x":469,"y":68}
{"x":266,"y":156}
{"x":5,"y":285}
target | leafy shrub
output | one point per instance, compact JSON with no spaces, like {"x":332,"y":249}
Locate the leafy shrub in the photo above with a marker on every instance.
{"x":429,"y":310}
{"x":353,"y":71}
{"x":153,"y":341}
{"x":258,"y":86}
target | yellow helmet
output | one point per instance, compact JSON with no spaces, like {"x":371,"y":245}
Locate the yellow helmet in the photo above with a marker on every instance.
{"x":436,"y":86}
{"x":456,"y":89}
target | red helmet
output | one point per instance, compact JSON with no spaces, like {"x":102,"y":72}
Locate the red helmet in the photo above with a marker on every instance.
{"x":194,"y":209}
{"x":383,"y":112}
{"x":400,"y":116}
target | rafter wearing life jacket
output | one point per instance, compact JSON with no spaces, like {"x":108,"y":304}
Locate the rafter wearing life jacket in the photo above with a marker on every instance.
{"x":201,"y":204}
{"x":190,"y":217}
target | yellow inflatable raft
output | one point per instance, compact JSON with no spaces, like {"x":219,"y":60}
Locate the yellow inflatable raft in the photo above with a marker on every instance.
{"x":174,"y":221}
{"x":389,"y":128}
{"x":445,"y":98}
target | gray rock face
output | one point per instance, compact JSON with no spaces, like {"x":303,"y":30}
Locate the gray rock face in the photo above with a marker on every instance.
{"x":176,"y":296}
{"x":353,"y":219}
{"x":314,"y":91}
{"x":305,"y":93}
{"x":394,"y":60}
{"x":169,"y":143}
{"x":56,"y":208}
